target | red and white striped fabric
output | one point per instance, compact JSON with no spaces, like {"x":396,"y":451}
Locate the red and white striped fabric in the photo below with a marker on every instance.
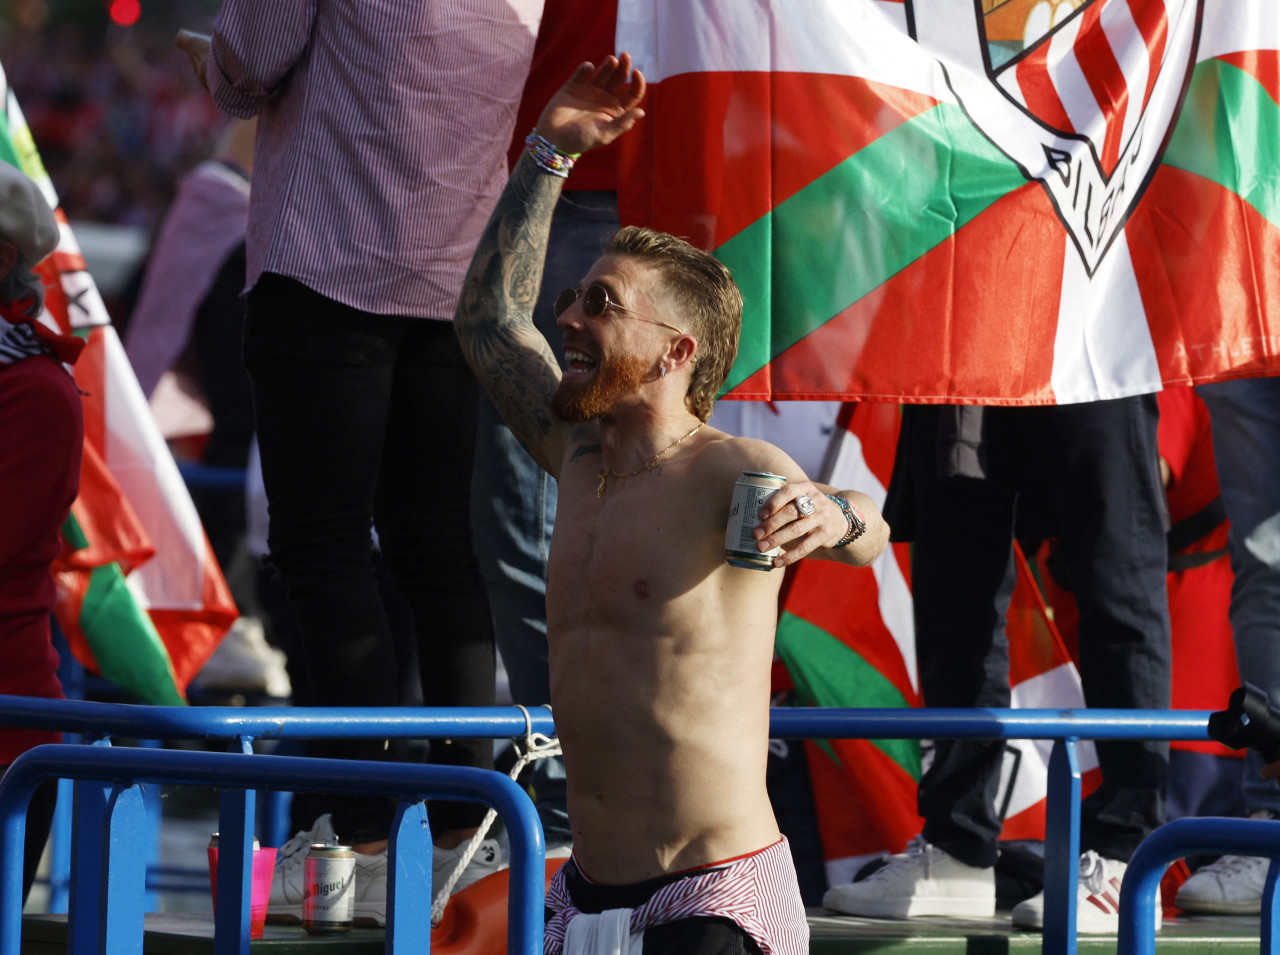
{"x":759,"y":892}
{"x":1095,"y":75}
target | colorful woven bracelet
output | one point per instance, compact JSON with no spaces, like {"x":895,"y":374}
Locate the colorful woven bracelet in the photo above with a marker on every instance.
{"x":856,"y":524}
{"x":548,"y":157}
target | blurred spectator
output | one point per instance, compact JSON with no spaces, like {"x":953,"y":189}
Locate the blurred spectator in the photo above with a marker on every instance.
{"x":43,"y":426}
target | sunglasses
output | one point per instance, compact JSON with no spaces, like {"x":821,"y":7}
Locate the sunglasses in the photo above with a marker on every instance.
{"x":595,"y":299}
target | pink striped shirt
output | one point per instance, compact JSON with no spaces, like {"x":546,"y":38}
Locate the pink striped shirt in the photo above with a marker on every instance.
{"x":758,"y":891}
{"x":382,"y":132}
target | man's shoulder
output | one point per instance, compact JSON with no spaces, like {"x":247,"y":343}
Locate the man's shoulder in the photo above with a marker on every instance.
{"x":728,"y":456}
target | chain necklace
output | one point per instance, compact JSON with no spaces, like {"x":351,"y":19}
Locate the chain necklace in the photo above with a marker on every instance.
{"x":610,"y":472}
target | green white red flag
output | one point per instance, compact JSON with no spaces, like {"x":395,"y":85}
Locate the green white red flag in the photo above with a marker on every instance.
{"x":846,"y":636}
{"x":925,"y":202}
{"x":141,"y":598}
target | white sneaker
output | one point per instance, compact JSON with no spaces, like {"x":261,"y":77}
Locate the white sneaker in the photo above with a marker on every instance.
{"x":371,"y":889}
{"x":1097,"y":899}
{"x":486,"y":861}
{"x":1230,"y":886}
{"x":924,"y":880}
{"x":288,"y":882}
{"x":245,"y":663}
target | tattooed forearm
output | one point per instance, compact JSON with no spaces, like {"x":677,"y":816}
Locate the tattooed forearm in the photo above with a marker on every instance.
{"x":494,"y":321}
{"x":502,"y":284}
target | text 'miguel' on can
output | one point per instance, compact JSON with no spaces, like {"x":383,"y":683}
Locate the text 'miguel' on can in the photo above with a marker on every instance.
{"x":329,"y":893}
{"x":750,"y":492}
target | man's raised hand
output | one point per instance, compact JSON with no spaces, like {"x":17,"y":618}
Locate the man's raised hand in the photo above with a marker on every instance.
{"x":595,"y":106}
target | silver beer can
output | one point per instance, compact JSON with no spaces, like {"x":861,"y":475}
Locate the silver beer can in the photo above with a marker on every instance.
{"x":329,"y":892}
{"x":750,"y":492}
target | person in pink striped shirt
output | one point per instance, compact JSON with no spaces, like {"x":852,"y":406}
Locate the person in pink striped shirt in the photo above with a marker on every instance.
{"x":382,"y":131}
{"x":660,"y":651}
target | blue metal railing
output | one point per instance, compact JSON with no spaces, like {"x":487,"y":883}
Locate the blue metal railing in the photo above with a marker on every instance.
{"x":1065,"y":727}
{"x":1140,"y":892}
{"x":115,"y":924}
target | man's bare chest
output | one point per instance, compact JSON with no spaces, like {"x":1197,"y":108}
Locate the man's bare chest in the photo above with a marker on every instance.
{"x":636,"y":548}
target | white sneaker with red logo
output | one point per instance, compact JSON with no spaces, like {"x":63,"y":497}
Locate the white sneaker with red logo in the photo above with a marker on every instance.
{"x":1097,"y":899}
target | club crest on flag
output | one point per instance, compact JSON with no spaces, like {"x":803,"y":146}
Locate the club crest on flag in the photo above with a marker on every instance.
{"x":1081,"y":94}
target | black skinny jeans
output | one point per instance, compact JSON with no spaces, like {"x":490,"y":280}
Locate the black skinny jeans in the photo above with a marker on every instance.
{"x":1093,"y":468}
{"x":370,"y":419}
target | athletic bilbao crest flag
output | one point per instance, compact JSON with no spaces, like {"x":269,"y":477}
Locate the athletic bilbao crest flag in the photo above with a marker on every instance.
{"x":1018,"y":202}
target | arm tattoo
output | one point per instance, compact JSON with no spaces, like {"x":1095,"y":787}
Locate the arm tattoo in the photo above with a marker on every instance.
{"x":494,"y":321}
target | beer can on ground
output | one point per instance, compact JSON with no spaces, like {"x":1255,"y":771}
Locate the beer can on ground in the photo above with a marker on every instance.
{"x":329,"y":891}
{"x":750,"y":492}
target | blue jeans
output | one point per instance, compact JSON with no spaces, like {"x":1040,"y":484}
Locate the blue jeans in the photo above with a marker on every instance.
{"x":1245,"y":415}
{"x":513,"y":501}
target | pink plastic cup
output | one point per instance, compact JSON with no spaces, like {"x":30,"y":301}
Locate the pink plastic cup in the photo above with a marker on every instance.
{"x":264,"y":863}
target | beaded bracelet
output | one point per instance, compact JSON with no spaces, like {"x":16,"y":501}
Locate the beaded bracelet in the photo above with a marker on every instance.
{"x":548,"y":156}
{"x":856,"y":524}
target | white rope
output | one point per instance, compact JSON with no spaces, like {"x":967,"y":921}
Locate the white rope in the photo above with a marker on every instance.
{"x":536,"y":746}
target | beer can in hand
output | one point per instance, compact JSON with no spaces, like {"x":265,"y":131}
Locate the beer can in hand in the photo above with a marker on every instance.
{"x":750,"y":492}
{"x":329,"y":892}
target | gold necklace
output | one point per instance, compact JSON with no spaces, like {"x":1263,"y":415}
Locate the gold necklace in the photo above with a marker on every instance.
{"x":610,"y":472}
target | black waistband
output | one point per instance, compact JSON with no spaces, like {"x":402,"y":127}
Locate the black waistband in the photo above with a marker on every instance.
{"x":594,"y":897}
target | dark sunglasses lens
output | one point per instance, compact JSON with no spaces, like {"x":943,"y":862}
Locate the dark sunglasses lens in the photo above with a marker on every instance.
{"x":594,"y":301}
{"x":566,"y":298}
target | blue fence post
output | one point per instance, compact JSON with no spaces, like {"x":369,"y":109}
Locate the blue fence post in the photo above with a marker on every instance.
{"x":89,"y":807}
{"x":1269,"y":905}
{"x":155,"y":814}
{"x":60,"y":848}
{"x":409,"y":889}
{"x":124,"y":873}
{"x":15,"y":795}
{"x":235,"y":872}
{"x":273,"y":817}
{"x":1061,"y":849}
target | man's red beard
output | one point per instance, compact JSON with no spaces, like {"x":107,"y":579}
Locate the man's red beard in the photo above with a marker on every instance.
{"x":615,"y":378}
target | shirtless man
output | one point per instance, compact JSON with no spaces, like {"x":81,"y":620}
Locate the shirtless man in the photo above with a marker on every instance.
{"x":660,"y":650}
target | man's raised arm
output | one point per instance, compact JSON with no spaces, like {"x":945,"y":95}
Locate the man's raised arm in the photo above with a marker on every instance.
{"x":494,"y":321}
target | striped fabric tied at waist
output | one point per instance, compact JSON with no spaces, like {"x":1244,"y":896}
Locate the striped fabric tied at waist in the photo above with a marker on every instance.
{"x":758,"y":892}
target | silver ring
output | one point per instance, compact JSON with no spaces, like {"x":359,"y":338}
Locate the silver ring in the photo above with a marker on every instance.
{"x":805,"y":505}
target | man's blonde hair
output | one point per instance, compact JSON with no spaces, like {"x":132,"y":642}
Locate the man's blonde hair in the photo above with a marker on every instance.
{"x":706,"y":298}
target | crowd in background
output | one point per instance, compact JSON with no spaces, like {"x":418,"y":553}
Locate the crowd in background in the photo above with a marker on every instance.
{"x":116,"y":117}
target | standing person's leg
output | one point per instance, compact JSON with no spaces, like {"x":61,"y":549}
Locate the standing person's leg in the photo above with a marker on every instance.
{"x":962,"y":578}
{"x":1103,"y":461}
{"x":962,"y":575}
{"x":1246,"y":446}
{"x":424,"y":526}
{"x":322,"y":383}
{"x":513,"y":501}
{"x":1245,"y":417}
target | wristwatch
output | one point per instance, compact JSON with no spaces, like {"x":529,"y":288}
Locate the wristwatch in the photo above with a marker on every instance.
{"x":857,"y":523}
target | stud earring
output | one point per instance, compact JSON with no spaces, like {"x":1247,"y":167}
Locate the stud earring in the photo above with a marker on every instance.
{"x":662,"y":371}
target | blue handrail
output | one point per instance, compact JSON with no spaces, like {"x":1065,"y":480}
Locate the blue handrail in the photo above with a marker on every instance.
{"x":505,"y":722}
{"x":1139,"y":893}
{"x":119,"y":926}
{"x":1065,"y":727}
